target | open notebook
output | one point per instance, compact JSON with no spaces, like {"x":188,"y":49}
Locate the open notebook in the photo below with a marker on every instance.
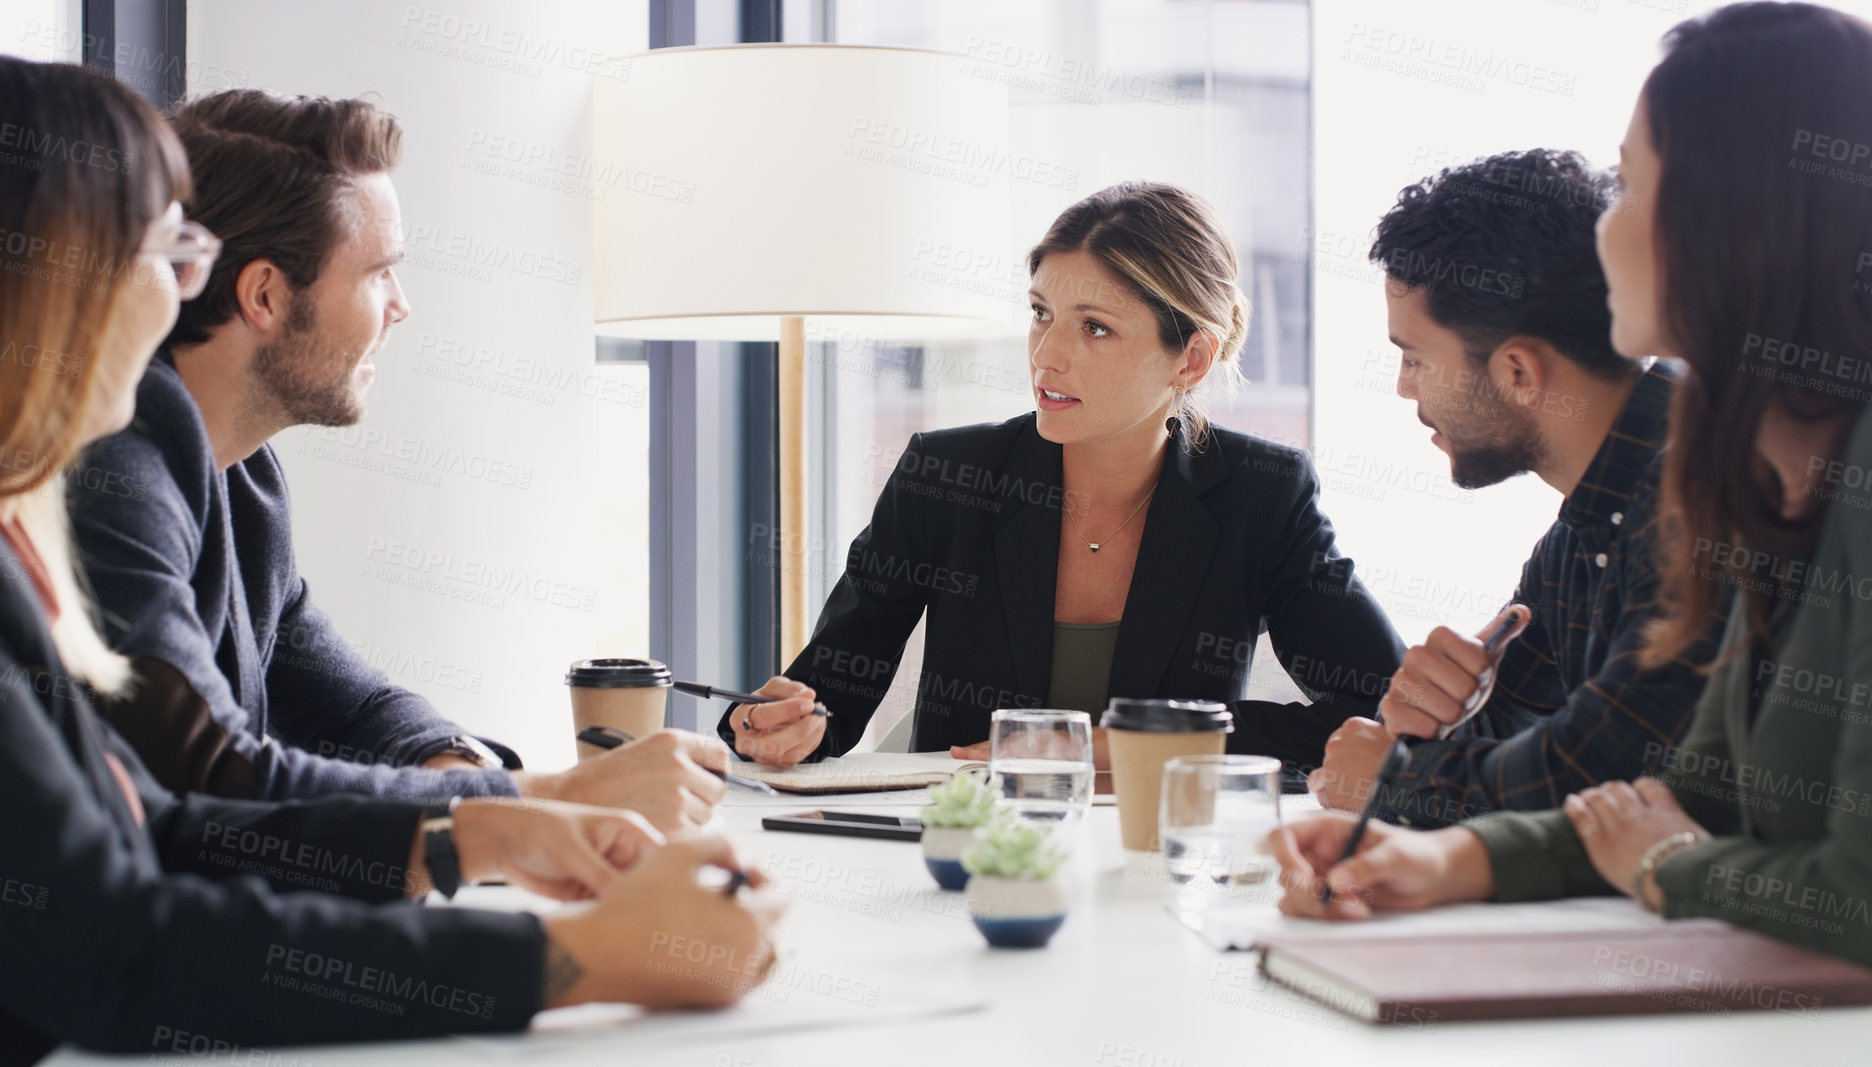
{"x":860,"y":772}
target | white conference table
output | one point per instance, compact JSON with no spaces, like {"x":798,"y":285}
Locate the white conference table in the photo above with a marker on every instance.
{"x":867,"y":941}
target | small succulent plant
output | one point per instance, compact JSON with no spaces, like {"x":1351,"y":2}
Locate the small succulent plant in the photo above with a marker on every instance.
{"x":964,"y":802}
{"x":1016,"y":850}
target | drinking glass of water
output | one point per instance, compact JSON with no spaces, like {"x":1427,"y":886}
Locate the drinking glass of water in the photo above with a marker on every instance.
{"x":1043,"y":762}
{"x":1216,"y":816}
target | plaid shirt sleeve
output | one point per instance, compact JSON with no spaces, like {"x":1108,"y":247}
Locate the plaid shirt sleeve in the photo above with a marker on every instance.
{"x":1528,"y":685}
{"x":1534,"y":742}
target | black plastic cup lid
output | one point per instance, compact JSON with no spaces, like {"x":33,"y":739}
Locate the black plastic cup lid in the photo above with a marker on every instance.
{"x":1168,"y":716}
{"x":617,"y":674}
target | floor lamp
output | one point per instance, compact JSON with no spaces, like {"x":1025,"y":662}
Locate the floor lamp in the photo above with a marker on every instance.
{"x":772,"y":190}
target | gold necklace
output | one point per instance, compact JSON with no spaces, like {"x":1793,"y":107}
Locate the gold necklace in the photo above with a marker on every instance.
{"x":1094,"y":545}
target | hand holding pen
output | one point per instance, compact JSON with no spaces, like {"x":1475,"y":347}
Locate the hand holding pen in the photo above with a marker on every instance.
{"x":1446,"y":680}
{"x":784,"y":727}
{"x":612,"y":737}
{"x":1394,"y":759}
{"x":1334,"y":866}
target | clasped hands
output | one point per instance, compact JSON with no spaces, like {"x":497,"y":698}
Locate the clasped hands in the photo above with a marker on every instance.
{"x":648,"y":894}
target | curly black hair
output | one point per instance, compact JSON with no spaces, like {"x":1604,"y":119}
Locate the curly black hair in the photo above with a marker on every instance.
{"x":1503,"y":247}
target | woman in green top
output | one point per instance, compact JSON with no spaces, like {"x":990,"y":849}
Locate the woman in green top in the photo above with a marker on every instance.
{"x":1743,"y":246}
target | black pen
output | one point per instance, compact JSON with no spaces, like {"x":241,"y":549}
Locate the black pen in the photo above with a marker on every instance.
{"x":1393,"y":760}
{"x":715,"y":692}
{"x":608,"y":737}
{"x":736,"y":879}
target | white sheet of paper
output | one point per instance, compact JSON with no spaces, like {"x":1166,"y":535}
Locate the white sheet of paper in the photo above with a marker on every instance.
{"x":861,"y":771}
{"x":774,"y":1008}
{"x":1241,"y":926}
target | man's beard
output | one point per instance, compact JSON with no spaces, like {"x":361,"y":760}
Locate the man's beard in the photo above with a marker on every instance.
{"x":306,"y":377}
{"x":1498,"y":448}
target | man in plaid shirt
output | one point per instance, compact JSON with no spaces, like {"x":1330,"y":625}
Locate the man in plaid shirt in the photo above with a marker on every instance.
{"x":1497,"y":304}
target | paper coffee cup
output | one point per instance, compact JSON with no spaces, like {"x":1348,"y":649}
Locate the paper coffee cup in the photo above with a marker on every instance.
{"x":1143,"y":735}
{"x":631,"y":695}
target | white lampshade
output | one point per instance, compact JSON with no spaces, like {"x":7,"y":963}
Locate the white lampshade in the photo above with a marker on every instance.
{"x":836,"y":183}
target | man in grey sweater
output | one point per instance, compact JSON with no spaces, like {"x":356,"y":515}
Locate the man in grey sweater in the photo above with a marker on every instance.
{"x":184,"y":524}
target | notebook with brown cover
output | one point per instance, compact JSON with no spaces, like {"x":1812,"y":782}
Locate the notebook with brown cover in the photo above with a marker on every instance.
{"x":1695,"y":965}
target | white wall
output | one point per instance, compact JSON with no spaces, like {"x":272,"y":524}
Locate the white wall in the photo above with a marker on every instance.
{"x":43,"y":30}
{"x":401,"y":521}
{"x":1560,"y":74}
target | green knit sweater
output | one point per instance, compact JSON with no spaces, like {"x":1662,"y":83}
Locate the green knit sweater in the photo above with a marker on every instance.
{"x":1777,"y":764}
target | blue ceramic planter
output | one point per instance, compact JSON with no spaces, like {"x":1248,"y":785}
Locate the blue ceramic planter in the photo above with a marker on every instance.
{"x":949,"y":874}
{"x":1011,"y":913}
{"x":1019,"y":933}
{"x":942,"y":854}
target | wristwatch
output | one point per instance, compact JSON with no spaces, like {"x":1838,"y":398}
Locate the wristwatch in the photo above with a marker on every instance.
{"x":472,"y":750}
{"x":438,"y":848}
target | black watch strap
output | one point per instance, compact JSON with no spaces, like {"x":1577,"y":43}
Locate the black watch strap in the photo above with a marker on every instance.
{"x":438,"y":848}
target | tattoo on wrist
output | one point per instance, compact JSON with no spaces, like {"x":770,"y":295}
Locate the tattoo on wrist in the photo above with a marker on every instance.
{"x":561,"y":973}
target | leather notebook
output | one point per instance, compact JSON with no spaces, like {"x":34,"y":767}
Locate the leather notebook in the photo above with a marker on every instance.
{"x":1694,"y":965}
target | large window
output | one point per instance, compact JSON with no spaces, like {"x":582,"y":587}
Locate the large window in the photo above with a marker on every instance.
{"x":1213,"y":96}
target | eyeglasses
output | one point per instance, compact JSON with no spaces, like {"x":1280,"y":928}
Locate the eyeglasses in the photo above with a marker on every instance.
{"x":191,"y":257}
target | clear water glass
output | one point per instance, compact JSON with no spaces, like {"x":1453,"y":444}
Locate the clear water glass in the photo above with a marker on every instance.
{"x":1042,"y":761}
{"x":1215,"y":819}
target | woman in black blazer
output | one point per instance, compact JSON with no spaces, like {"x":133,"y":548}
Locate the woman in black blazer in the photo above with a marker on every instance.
{"x":1109,"y":544}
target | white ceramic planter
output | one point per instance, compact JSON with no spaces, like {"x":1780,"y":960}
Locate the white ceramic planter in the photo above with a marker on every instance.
{"x":1012,"y":913}
{"x":942,"y":854}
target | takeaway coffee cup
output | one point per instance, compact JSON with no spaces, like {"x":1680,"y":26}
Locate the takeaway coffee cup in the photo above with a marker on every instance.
{"x":625,"y":694}
{"x":1144,"y":734}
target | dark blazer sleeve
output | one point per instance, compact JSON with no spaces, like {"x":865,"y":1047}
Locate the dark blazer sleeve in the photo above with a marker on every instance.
{"x":1327,"y":629}
{"x":859,"y":641}
{"x":115,"y":952}
{"x":345,"y":845}
{"x":139,"y":548}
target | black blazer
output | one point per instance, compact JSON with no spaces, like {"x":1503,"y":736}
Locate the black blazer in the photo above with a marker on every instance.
{"x":967,"y":529}
{"x":199,"y":923}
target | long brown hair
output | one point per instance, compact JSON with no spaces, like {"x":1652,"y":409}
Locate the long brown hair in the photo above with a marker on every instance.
{"x":89,"y":167}
{"x":1762,"y":246}
{"x":1170,"y":247}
